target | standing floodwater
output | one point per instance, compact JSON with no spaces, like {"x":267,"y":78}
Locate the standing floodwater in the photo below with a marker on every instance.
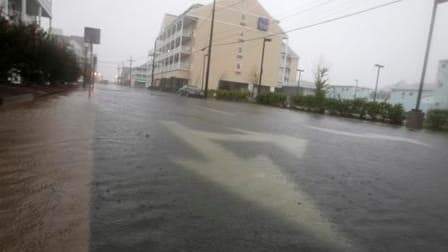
{"x":134,"y":170}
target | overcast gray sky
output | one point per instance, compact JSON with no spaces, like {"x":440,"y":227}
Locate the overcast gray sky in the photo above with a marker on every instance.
{"x":394,"y":36}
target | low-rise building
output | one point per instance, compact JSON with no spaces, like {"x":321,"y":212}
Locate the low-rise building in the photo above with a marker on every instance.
{"x":292,"y":88}
{"x":349,"y":92}
{"x":406,"y":95}
{"x":182,"y":48}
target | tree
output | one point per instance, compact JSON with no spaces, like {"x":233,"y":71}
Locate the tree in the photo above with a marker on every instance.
{"x":35,"y":55}
{"x":321,"y":83}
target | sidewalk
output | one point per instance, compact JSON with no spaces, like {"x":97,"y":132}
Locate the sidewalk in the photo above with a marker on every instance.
{"x":13,"y":94}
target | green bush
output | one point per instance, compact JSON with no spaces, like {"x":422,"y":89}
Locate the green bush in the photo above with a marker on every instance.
{"x":232,"y":95}
{"x":272,"y":99}
{"x":211,"y":93}
{"x":373,"y":109}
{"x":437,"y":119}
{"x":396,"y":114}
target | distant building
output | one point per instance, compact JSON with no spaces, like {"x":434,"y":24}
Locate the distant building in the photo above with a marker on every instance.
{"x":292,"y":88}
{"x":141,"y":75}
{"x":441,"y":91}
{"x":26,"y":11}
{"x":349,"y":92}
{"x":181,"y":48}
{"x":406,"y":95}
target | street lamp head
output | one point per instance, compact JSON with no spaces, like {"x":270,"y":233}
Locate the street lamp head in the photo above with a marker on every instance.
{"x":378,"y":65}
{"x":300,"y":70}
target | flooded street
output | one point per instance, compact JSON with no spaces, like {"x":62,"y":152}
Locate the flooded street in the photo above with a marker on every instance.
{"x":135,"y":170}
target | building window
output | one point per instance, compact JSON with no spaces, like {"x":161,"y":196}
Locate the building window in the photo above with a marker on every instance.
{"x":242,"y":34}
{"x":239,"y":56}
{"x":177,"y":42}
{"x":240,"y":40}
{"x":238,"y":66}
{"x":440,"y":84}
{"x":179,"y":25}
{"x":176,"y":58}
{"x":242,"y":23}
{"x":240,"y":50}
{"x":443,"y":65}
{"x":411,"y":93}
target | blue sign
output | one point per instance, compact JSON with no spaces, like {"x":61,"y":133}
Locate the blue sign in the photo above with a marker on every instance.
{"x":263,"y":24}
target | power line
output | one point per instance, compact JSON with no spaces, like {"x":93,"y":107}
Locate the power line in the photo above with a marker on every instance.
{"x":318,"y":23}
{"x":306,"y":10}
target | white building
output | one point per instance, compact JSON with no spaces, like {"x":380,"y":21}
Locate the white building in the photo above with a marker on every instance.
{"x":441,"y":91}
{"x":406,"y":95}
{"x":349,"y":92}
{"x":26,"y":11}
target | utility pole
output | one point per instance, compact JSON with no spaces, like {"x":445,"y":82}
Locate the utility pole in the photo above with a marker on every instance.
{"x":300,"y":79}
{"x":356,"y":88}
{"x":153,"y":62}
{"x":210,"y":49}
{"x":203,"y":71}
{"x":262,"y":62}
{"x":130,"y":71}
{"x":377,"y":80}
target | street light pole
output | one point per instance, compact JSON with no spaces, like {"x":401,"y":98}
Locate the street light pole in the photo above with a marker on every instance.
{"x":428,"y":48}
{"x":416,"y":117}
{"x":377,"y":80}
{"x":300,"y":79}
{"x":356,"y":88}
{"x":262,"y":62}
{"x":212,"y":24}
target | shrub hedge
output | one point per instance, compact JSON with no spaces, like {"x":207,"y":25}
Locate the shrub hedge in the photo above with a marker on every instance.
{"x":358,"y":108}
{"x":437,"y":119}
{"x":272,"y":99}
{"x":232,"y":95}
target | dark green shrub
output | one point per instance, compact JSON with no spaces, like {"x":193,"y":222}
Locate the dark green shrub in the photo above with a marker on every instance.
{"x":385,"y":111}
{"x":272,"y":99}
{"x":333,"y":106}
{"x":373,"y":109}
{"x":211,"y":93}
{"x":232,"y":95}
{"x":396,"y":114}
{"x":359,"y":107}
{"x":437,"y":119}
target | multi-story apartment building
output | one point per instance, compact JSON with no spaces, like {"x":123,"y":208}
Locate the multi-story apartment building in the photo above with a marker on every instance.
{"x":240,"y":26}
{"x":26,"y":11}
{"x":406,"y":95}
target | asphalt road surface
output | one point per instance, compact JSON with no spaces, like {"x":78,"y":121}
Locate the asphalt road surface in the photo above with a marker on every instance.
{"x":135,"y":170}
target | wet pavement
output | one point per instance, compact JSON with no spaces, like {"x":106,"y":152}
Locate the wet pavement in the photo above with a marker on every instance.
{"x":134,"y":170}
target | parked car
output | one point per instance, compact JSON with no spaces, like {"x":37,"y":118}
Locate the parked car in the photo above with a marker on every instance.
{"x":190,"y":91}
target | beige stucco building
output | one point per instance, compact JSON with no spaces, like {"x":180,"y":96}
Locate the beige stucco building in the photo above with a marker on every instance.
{"x":240,"y":25}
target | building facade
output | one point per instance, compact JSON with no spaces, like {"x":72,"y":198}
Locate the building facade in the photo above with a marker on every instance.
{"x":441,"y":91}
{"x":406,"y":95}
{"x":26,"y":11}
{"x":349,"y":92}
{"x":182,"y":46}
